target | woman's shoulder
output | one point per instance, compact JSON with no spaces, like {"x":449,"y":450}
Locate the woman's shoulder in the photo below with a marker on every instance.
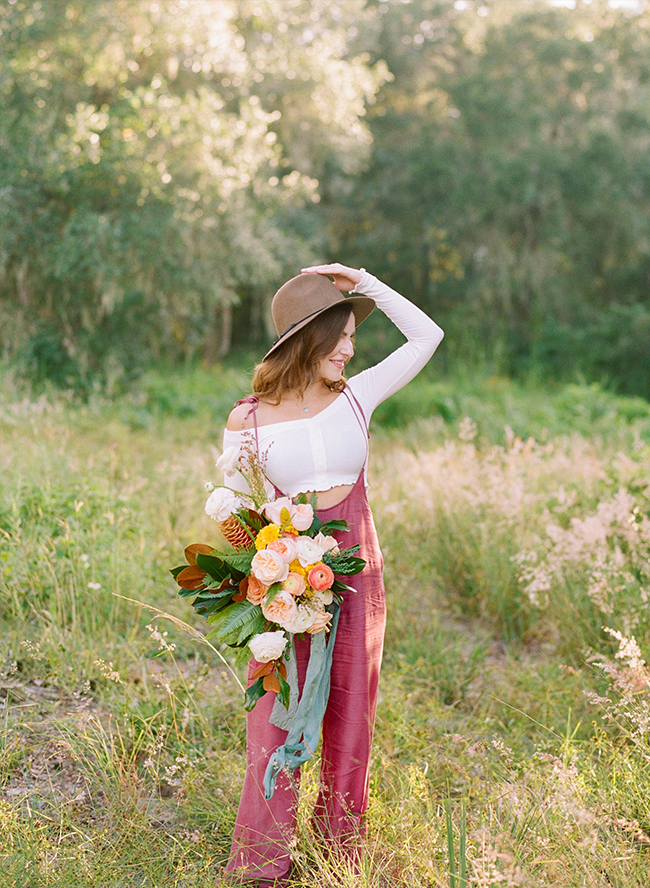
{"x":241,"y":417}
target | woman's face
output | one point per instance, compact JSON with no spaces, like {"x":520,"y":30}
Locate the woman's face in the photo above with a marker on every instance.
{"x":332,"y":366}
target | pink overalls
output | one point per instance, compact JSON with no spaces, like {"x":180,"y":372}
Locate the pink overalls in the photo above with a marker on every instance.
{"x":264,"y":829}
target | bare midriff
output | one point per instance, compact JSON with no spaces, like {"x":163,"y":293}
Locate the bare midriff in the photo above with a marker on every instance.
{"x":332,"y":497}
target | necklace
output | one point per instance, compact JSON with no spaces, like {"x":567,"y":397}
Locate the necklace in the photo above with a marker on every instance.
{"x":306,"y":409}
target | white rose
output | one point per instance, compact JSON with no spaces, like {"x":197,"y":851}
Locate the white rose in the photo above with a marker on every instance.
{"x":326,"y":542}
{"x":228,"y":460}
{"x":222,"y":503}
{"x":302,"y":621}
{"x":308,"y":551}
{"x":272,"y":510}
{"x":269,"y":567}
{"x":268,"y":645}
{"x":322,"y":599}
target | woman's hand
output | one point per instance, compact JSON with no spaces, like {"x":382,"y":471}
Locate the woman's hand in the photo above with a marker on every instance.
{"x":345,"y":278}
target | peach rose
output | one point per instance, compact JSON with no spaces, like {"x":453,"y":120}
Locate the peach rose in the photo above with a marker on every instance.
{"x":256,"y":590}
{"x":320,"y":577}
{"x":269,"y":567}
{"x":320,"y":621}
{"x":294,"y":584}
{"x":327,"y":543}
{"x":302,"y":516}
{"x":285,"y":547}
{"x":282,"y":609}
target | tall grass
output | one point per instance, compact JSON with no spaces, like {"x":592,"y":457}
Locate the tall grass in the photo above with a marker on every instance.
{"x":511,"y":744}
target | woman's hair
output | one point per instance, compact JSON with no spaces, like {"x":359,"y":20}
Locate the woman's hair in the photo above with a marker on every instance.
{"x":294,"y":364}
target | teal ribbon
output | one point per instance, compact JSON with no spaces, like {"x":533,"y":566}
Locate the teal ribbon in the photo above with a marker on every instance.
{"x":304,"y":732}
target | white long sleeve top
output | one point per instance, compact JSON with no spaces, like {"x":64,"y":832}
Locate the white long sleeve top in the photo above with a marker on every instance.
{"x":329,"y":449}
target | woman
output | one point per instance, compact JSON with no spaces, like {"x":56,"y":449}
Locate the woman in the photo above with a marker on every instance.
{"x":311,"y":428}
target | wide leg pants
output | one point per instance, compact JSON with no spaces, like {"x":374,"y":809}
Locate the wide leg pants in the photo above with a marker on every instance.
{"x":264,"y":829}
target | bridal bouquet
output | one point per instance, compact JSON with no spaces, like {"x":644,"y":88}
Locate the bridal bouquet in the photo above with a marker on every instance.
{"x":274,"y":575}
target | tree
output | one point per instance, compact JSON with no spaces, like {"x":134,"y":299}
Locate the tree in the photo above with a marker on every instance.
{"x":508,"y":185}
{"x":149,"y":158}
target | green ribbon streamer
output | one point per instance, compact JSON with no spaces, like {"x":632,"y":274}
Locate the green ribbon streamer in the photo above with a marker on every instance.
{"x":304,"y":732}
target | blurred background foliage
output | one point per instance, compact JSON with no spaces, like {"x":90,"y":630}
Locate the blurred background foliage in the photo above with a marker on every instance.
{"x":165,"y":164}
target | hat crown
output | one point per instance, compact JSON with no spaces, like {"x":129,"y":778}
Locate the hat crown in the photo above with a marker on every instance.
{"x":300,"y":298}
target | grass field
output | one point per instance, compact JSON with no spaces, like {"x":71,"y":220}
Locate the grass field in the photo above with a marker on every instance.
{"x":512,"y":736}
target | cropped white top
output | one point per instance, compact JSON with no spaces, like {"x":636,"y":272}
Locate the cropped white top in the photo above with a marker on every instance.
{"x":329,"y":449}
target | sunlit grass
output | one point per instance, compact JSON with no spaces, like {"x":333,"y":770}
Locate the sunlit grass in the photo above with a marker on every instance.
{"x":512,"y":728}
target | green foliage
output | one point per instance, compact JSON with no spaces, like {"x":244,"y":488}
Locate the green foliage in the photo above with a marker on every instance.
{"x":507,"y":191}
{"x":166,"y":166}
{"x":148,"y":162}
{"x":122,"y":749}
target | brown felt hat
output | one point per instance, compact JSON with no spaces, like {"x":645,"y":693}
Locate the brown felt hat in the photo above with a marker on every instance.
{"x":305,"y":297}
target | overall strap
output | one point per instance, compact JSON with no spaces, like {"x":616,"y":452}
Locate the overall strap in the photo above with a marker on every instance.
{"x":360,"y":417}
{"x":255,"y":402}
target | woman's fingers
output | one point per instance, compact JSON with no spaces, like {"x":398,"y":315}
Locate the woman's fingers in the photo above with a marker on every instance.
{"x":345,"y":278}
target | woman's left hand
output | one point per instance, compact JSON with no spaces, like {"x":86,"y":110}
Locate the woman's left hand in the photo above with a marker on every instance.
{"x":345,"y":278}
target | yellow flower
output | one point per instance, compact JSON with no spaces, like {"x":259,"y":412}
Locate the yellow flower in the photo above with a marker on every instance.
{"x":267,"y":535}
{"x":296,"y":567}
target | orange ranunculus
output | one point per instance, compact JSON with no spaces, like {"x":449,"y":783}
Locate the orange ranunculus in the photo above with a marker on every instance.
{"x":320,"y":577}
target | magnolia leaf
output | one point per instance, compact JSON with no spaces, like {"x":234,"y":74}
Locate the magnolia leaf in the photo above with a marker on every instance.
{"x":206,"y":604}
{"x":271,"y":682}
{"x":213,"y":566}
{"x":254,"y":693}
{"x":192,"y":551}
{"x":264,"y":669}
{"x":336,"y":524}
{"x":191,"y":578}
{"x":284,"y":693}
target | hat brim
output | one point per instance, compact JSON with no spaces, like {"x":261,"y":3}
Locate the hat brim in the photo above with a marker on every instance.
{"x":360,"y":306}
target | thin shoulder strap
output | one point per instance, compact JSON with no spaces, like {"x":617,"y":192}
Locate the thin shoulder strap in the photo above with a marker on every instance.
{"x":360,"y":417}
{"x":254,"y":401}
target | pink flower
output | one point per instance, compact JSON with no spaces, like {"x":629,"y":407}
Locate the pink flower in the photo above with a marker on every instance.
{"x":282,"y":609}
{"x":255,"y":590}
{"x":285,"y":547}
{"x":269,"y":567}
{"x":294,"y":584}
{"x":320,"y":577}
{"x":327,"y":543}
{"x":302,"y":516}
{"x":321,"y":620}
